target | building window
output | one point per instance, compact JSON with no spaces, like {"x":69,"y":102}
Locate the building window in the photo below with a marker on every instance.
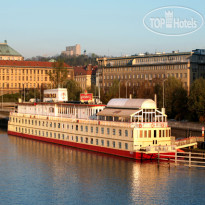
{"x":96,"y":129}
{"x":91,"y":141}
{"x":91,"y":129}
{"x":120,"y":145}
{"x":102,"y":142}
{"x":96,"y":141}
{"x":86,"y":128}
{"x":126,"y":133}
{"x":113,"y":131}
{"x":102,"y":130}
{"x":113,"y":143}
{"x":120,"y":132}
{"x":108,"y":131}
{"x":81,"y":128}
{"x":126,"y":146}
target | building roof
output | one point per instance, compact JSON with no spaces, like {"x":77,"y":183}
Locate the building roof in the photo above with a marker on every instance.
{"x":117,"y":112}
{"x":131,"y":103}
{"x":6,"y":50}
{"x":82,"y":71}
{"x":28,"y":63}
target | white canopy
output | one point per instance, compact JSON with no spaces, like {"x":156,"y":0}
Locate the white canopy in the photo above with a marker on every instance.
{"x":131,"y":103}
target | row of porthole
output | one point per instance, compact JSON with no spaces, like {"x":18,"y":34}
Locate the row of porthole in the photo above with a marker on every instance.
{"x":81,"y":139}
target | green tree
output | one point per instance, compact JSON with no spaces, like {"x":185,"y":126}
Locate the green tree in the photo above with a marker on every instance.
{"x":74,"y":90}
{"x":59,"y":74}
{"x":175,"y":98}
{"x":196,"y":101}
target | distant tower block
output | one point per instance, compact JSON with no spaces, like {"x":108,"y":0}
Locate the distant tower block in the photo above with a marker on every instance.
{"x":72,"y":50}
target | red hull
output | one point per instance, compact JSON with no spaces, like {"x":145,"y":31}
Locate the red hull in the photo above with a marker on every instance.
{"x":122,"y":153}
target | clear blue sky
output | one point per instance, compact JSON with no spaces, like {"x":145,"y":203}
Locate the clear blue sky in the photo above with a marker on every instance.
{"x":114,"y":27}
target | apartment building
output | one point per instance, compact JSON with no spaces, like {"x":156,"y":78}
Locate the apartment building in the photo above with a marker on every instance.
{"x":16,"y":75}
{"x":133,"y":70}
{"x":8,"y":53}
{"x":72,"y":50}
{"x":85,"y":76}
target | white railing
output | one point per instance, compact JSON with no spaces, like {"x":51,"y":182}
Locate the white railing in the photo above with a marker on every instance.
{"x":190,"y":159}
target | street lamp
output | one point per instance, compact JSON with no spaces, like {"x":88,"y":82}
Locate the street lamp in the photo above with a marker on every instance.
{"x":119,"y":88}
{"x":163,"y":91}
{"x":126,"y":87}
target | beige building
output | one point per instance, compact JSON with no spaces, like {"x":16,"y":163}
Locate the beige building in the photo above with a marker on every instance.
{"x":16,"y":75}
{"x":8,"y":53}
{"x":85,"y":76}
{"x":133,"y":70}
{"x":72,"y":50}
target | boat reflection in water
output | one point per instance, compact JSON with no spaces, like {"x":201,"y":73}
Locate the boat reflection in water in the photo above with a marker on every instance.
{"x":64,"y":175}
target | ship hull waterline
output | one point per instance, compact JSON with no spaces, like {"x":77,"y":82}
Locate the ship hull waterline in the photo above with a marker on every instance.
{"x":122,"y":153}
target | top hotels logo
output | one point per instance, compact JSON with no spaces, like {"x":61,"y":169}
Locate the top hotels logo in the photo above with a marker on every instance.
{"x":173,"y":21}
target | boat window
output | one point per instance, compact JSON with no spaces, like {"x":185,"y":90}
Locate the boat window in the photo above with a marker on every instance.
{"x":126,"y":146}
{"x":126,"y":133}
{"x":113,"y":131}
{"x":59,"y":136}
{"x":67,"y":126}
{"x":67,"y":137}
{"x":96,"y":129}
{"x":102,"y":142}
{"x":91,"y":129}
{"x":108,"y":143}
{"x":81,"y":139}
{"x":50,"y":134}
{"x":141,"y":133}
{"x":86,"y":128}
{"x":102,"y":130}
{"x":86,"y":140}
{"x":113,"y":143}
{"x":108,"y":131}
{"x":59,"y":125}
{"x":120,"y":132}
{"x":149,"y":133}
{"x":96,"y":141}
{"x":81,"y":127}
{"x":145,"y":133}
{"x":50,"y":124}
{"x":76,"y":138}
{"x":160,"y":133}
{"x":120,"y":145}
{"x":155,"y":133}
{"x":91,"y":140}
{"x":54,"y":135}
{"x":76,"y":127}
{"x":39,"y":123}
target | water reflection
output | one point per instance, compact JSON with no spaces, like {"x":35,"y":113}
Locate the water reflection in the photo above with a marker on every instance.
{"x":41,"y":173}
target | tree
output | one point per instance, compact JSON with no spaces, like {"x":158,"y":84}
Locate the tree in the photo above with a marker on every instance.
{"x":59,"y":74}
{"x":74,"y":90}
{"x":175,"y":98}
{"x":196,"y":101}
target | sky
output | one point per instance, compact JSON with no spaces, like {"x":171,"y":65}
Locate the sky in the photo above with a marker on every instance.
{"x":106,"y":27}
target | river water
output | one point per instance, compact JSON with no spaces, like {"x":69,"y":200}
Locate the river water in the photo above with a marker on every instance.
{"x":33,"y":172}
